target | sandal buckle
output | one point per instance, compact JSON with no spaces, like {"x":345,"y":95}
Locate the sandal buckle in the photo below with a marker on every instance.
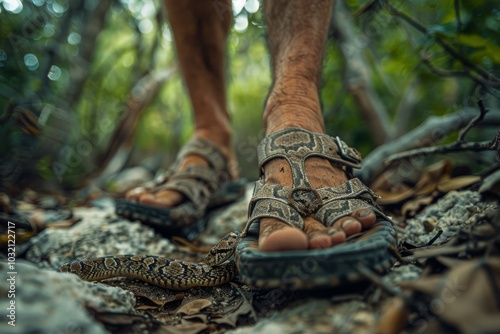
{"x":343,"y":151}
{"x":305,"y":201}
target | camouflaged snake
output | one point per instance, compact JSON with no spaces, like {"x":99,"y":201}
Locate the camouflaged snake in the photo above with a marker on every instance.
{"x":165,"y":273}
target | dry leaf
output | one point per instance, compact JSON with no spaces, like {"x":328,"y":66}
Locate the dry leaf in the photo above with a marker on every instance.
{"x":466,"y":296}
{"x":432,"y":175}
{"x":242,"y":308}
{"x":199,"y":317}
{"x":394,"y":317}
{"x":155,"y":294}
{"x":393,"y":197}
{"x":146,"y":307}
{"x":412,"y":207}
{"x":391,"y":193}
{"x":194,"y":307}
{"x":457,"y":183}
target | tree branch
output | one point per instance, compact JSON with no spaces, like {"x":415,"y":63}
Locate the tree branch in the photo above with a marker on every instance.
{"x":450,"y":148}
{"x":482,"y":112}
{"x":425,"y":135}
{"x":357,"y":77}
{"x":121,"y":139}
{"x":454,"y":53}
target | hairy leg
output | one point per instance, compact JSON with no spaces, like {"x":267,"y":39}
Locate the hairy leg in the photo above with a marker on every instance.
{"x":200,"y":31}
{"x":297,"y":34}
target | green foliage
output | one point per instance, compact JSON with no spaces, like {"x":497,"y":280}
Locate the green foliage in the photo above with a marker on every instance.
{"x":394,"y":50}
{"x":133,"y":43}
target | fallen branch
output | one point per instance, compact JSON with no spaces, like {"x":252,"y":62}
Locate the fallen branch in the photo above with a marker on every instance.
{"x":482,"y":112}
{"x":455,"y":147}
{"x":425,"y":135}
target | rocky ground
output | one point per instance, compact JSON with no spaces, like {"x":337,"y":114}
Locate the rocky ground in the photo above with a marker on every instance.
{"x":51,"y":302}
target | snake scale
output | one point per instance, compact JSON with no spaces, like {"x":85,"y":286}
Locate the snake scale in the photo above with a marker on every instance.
{"x":216,"y":269}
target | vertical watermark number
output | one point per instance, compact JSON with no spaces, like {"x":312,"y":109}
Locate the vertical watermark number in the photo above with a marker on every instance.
{"x":11,"y":273}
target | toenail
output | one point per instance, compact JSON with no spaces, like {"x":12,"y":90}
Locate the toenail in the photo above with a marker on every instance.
{"x":347,"y":223}
{"x":332,"y":231}
{"x":364,"y":213}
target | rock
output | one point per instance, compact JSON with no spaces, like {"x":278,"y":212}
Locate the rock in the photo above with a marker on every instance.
{"x":52,"y":302}
{"x":449,"y":214}
{"x":99,"y":233}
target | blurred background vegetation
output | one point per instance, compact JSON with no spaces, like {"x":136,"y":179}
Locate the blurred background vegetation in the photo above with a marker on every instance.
{"x":90,"y":87}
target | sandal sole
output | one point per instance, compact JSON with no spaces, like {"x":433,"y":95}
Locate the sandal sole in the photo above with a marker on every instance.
{"x":322,"y":268}
{"x":159,"y":218}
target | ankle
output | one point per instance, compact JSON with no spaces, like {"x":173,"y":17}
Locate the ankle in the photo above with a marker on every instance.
{"x":221,"y":137}
{"x":293,"y":104}
{"x":293,"y":115}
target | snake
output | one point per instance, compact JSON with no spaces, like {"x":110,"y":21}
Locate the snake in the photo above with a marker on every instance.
{"x":217,"y":268}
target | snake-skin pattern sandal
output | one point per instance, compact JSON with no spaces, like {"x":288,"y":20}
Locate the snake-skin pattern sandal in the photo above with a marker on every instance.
{"x":205,"y":188}
{"x":373,"y":249}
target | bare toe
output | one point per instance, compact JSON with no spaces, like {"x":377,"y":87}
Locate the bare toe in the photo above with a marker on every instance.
{"x":349,"y":225}
{"x":133,"y":194}
{"x":278,"y":236}
{"x":320,"y":241}
{"x":166,"y":198}
{"x":365,"y":216}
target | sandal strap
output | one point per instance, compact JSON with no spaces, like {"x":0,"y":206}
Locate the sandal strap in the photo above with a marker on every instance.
{"x":195,"y":182}
{"x":343,"y":200}
{"x":270,"y":201}
{"x":207,"y":150}
{"x":296,"y":145}
{"x":197,"y":193}
{"x":203,"y":148}
{"x":290,"y":205}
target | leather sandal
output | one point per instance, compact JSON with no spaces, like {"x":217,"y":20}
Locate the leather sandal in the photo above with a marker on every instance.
{"x":205,"y":188}
{"x":372,"y":249}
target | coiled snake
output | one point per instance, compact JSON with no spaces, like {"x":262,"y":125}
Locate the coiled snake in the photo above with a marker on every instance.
{"x":216,"y":269}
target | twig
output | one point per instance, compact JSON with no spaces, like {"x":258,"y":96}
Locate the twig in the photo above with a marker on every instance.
{"x":464,"y":60}
{"x":434,"y":238}
{"x":390,"y":288}
{"x":454,"y":147}
{"x":439,"y":71}
{"x":457,"y":146}
{"x":457,"y":15}
{"x":473,"y":122}
{"x":495,"y":144}
{"x":427,"y":134}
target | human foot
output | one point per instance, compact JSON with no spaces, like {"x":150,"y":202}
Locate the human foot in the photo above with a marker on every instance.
{"x":217,"y":161}
{"x":276,"y":235}
{"x":321,"y":206}
{"x":199,"y":180}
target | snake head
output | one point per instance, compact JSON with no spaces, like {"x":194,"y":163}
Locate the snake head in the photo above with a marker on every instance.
{"x":223,"y":250}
